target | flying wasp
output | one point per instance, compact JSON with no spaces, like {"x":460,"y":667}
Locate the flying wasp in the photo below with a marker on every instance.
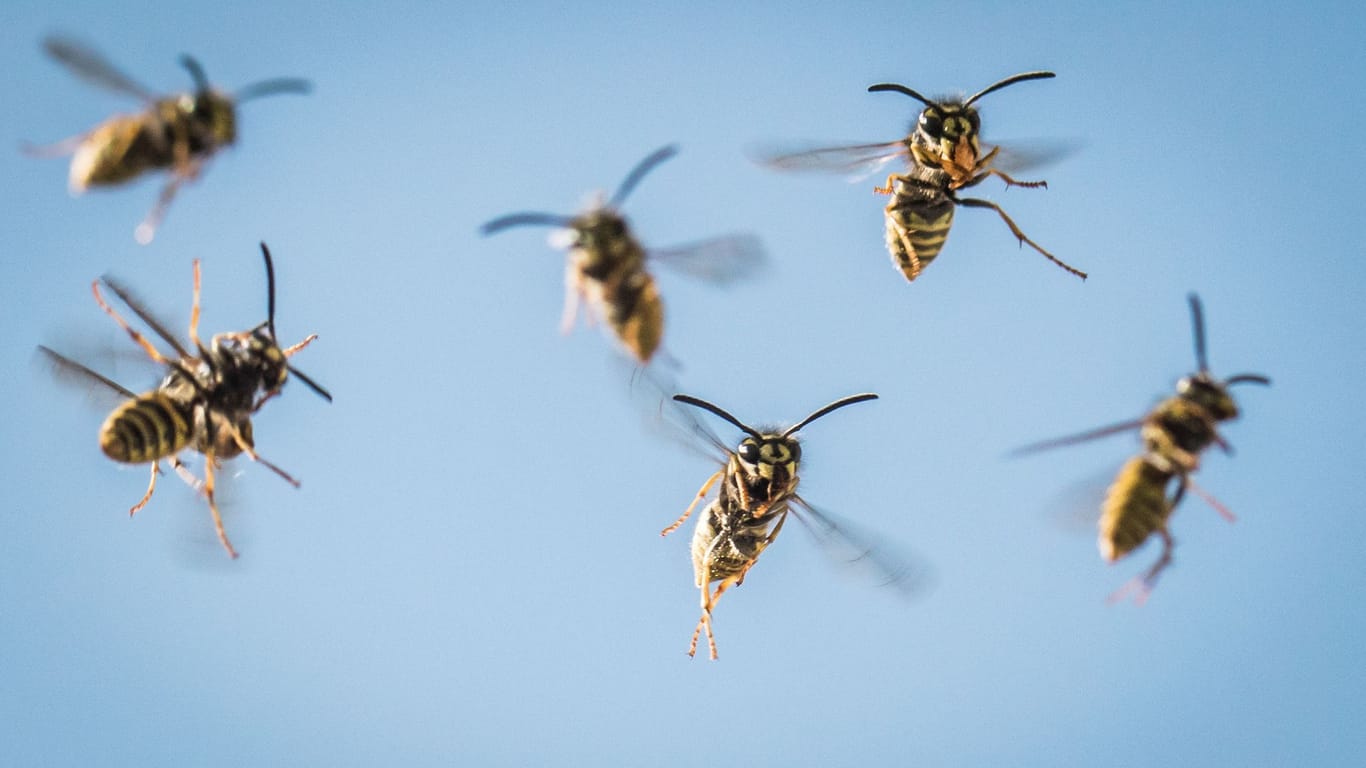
{"x":179,"y":132}
{"x":945,"y":156}
{"x":607,"y":264}
{"x":1175,"y":433}
{"x":206,"y":400}
{"x":758,"y":488}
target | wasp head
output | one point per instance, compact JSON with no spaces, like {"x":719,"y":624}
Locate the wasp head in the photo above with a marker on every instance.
{"x":247,"y":362}
{"x":770,"y":456}
{"x":1209,"y":393}
{"x":947,"y":134}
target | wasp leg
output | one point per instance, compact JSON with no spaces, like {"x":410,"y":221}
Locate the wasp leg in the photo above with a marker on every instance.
{"x":573,"y":289}
{"x":147,"y":230}
{"x":1013,"y":182}
{"x":708,"y":603}
{"x":686,"y":513}
{"x":1142,"y":586}
{"x":151,"y":486}
{"x":194,"y":310}
{"x":186,"y":475}
{"x":972,"y":202}
{"x":213,"y":504}
{"x":137,"y":337}
{"x":309,"y":340}
{"x":914,"y":266}
{"x":1218,"y":506}
{"x":254,"y":456}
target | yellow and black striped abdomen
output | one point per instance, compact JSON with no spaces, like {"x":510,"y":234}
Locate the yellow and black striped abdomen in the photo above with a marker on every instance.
{"x":916,"y":231}
{"x":149,"y":427}
{"x":1135,"y":506}
{"x":636,"y":313}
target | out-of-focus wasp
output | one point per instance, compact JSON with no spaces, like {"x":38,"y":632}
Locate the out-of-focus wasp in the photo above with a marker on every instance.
{"x":607,"y":264}
{"x":1175,"y":434}
{"x":758,"y":489}
{"x":945,"y":156}
{"x":179,"y":132}
{"x":206,"y":400}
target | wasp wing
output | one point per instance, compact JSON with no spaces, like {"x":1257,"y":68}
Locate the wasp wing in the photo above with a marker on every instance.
{"x":856,"y":161}
{"x":91,"y":66}
{"x":843,"y":542}
{"x":70,"y":371}
{"x":719,"y":260}
{"x":1082,"y":437}
{"x":140,"y":309}
{"x":1019,"y":155}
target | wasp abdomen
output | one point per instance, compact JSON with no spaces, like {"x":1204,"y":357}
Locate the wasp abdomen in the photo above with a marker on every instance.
{"x":636,"y":314}
{"x":1135,"y":506}
{"x":916,"y":232}
{"x":149,"y":427}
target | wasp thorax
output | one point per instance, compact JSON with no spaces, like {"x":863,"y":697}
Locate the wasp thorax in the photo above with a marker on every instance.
{"x":1209,"y":394}
{"x":248,"y":361}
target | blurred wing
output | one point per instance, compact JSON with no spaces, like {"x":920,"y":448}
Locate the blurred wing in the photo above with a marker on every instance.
{"x":1059,"y":442}
{"x":145,"y":315}
{"x":844,"y":543}
{"x":652,"y":391}
{"x":855,"y":161}
{"x":1031,"y":154}
{"x":70,"y":372}
{"x":719,"y":260}
{"x":89,"y":65}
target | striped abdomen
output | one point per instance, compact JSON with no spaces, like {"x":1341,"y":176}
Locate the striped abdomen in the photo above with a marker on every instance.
{"x":1135,"y":506}
{"x":636,"y":313}
{"x":916,"y":231}
{"x":727,"y":542}
{"x":149,"y":427}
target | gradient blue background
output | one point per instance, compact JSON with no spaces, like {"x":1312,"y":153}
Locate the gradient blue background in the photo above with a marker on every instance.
{"x":472,"y":574}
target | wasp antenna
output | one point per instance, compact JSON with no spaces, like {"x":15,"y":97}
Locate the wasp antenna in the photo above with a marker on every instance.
{"x":1248,"y":378}
{"x":1198,"y":327}
{"x":900,"y":89}
{"x":1009,"y":81}
{"x":273,"y":86}
{"x":313,"y":385}
{"x":201,"y":81}
{"x":270,"y":289}
{"x":704,"y":405}
{"x":850,"y":400}
{"x":524,"y":219}
{"x":643,"y":167}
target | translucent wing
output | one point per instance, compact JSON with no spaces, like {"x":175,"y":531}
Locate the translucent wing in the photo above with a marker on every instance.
{"x":73,"y":372}
{"x":1081,"y":437}
{"x":719,"y":260}
{"x":856,"y":161}
{"x":89,"y":65}
{"x":139,"y":309}
{"x":651,"y":392}
{"x":1030,"y":154}
{"x":844,"y":543}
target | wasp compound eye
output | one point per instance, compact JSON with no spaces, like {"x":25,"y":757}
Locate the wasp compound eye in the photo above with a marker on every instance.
{"x":749,"y":453}
{"x":932,"y":123}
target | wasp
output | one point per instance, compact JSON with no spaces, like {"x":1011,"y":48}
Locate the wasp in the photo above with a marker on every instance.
{"x":179,"y":132}
{"x":606,"y":268}
{"x":945,"y":156}
{"x":1174,"y":434}
{"x":206,"y":400}
{"x":758,"y":488}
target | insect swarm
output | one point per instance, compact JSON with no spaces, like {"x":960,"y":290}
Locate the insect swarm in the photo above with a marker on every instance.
{"x":1174,"y":434}
{"x":206,"y":400}
{"x":606,"y":268}
{"x":945,"y":156}
{"x":758,"y":488}
{"x":179,"y":132}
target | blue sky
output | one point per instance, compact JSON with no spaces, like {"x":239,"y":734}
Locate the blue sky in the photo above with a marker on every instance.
{"x":471,"y":572}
